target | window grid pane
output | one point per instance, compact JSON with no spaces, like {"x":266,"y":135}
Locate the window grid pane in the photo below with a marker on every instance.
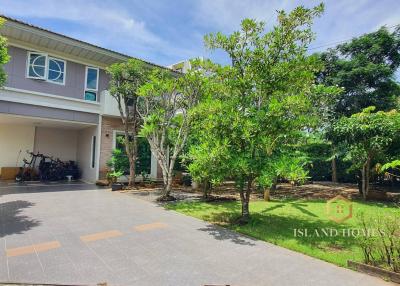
{"x":91,"y":80}
{"x":90,"y":95}
{"x":56,"y":70}
{"x":37,"y":66}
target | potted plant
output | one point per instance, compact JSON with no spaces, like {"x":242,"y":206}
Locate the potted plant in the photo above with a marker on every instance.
{"x":112,"y":178}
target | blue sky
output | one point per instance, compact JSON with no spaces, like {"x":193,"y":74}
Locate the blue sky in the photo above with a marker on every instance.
{"x":165,"y":32}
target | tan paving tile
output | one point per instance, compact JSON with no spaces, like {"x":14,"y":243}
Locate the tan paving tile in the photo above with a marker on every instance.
{"x":20,"y":250}
{"x":100,"y":235}
{"x":150,"y":226}
{"x":47,"y":246}
{"x":40,"y":247}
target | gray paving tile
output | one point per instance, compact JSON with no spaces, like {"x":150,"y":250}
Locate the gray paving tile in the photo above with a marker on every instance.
{"x":94,"y":275}
{"x":188,"y":252}
{"x":62,"y":274}
{"x":86,"y":261}
{"x":130,"y":275}
{"x":25,"y":268}
{"x":4,"y":270}
{"x":17,"y":240}
{"x":28,"y":277}
{"x":53,"y":258}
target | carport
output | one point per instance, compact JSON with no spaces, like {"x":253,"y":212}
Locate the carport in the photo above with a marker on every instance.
{"x":66,"y":140}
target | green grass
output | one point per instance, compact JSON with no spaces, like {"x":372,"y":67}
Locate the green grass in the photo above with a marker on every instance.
{"x":275,"y":222}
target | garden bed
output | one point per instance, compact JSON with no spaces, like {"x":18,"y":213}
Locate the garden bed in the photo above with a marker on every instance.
{"x":375,"y":271}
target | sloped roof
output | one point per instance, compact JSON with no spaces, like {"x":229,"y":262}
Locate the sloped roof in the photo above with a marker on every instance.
{"x":17,"y":30}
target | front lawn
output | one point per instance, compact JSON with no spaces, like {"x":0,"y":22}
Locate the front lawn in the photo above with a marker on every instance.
{"x":276,"y":221}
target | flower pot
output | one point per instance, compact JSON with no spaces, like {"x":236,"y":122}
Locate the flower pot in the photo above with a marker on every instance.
{"x":116,"y":187}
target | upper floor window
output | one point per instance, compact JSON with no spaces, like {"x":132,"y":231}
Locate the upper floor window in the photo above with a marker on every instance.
{"x":56,"y":70}
{"x":91,"y":83}
{"x":42,"y":66}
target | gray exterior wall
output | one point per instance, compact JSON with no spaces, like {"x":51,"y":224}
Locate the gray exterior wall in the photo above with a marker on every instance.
{"x":74,"y":80}
{"x":47,"y":112}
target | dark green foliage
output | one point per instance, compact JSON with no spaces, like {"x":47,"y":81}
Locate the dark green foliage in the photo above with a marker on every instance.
{"x":187,"y":180}
{"x":266,"y":97}
{"x":165,"y":105}
{"x":125,"y":80}
{"x":319,"y":163}
{"x":143,"y":161}
{"x":319,"y":166}
{"x":365,"y":67}
{"x":367,"y":136}
{"x":4,"y":57}
{"x":120,"y":161}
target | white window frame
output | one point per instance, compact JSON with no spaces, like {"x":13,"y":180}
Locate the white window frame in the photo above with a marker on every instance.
{"x":46,"y":69}
{"x":97,"y":83}
{"x":28,"y":63}
{"x":93,"y":152}
{"x":64,"y":72}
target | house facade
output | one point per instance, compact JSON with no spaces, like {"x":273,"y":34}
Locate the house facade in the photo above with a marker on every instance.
{"x":55,"y":101}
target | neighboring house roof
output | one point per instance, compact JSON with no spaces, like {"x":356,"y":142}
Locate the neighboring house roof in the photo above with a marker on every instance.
{"x":17,"y":30}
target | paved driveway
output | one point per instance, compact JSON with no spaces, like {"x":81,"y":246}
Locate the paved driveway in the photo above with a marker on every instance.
{"x":79,"y":234}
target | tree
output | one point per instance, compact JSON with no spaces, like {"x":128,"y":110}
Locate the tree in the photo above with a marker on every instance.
{"x":4,"y":57}
{"x":165,"y":106}
{"x":365,"y":69}
{"x":268,"y":96}
{"x":125,"y":80}
{"x":367,"y":135}
{"x":205,"y":156}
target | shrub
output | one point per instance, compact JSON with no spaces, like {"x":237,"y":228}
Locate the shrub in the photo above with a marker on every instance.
{"x":119,"y":161}
{"x":380,"y":241}
{"x":113,"y":176}
{"x":187,"y":180}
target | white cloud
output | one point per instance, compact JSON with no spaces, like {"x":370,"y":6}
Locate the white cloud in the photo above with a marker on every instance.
{"x":102,"y":23}
{"x":166,"y":32}
{"x":226,"y":15}
{"x":102,"y":16}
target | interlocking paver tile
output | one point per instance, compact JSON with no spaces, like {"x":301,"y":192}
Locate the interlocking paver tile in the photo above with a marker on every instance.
{"x":150,"y":226}
{"x":121,"y":240}
{"x":100,"y":235}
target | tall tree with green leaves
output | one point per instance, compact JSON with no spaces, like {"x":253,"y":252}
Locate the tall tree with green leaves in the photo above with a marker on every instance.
{"x":166,"y":105}
{"x":125,"y":80}
{"x":365,"y":69}
{"x":4,"y":57}
{"x":267,"y":99}
{"x":368,"y":135}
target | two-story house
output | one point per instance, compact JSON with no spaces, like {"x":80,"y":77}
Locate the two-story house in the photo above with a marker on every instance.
{"x":55,"y":100}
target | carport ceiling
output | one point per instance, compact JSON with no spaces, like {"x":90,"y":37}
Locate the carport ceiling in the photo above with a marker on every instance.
{"x":40,"y":122}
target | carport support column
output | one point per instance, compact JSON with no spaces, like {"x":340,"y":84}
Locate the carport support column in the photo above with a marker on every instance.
{"x":98,"y":147}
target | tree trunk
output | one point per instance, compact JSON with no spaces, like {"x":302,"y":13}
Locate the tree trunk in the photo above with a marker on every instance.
{"x":245,"y":199}
{"x":131,"y":152}
{"x":367,"y":172}
{"x":168,"y":186}
{"x":363,"y":182}
{"x":206,"y":186}
{"x":334,"y":170}
{"x":132,"y":172}
{"x":365,"y":178}
{"x":274,"y":185}
{"x":245,"y":210}
{"x":359,"y":184}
